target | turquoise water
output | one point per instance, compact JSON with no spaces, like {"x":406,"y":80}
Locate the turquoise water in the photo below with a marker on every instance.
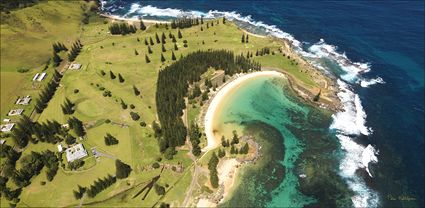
{"x":266,"y":108}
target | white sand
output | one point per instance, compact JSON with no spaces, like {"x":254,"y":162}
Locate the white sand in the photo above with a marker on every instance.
{"x":213,"y":141}
{"x":205,"y":203}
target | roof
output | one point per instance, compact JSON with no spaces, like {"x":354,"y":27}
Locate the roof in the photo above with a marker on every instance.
{"x":75,"y":152}
{"x":15,"y":112}
{"x":60,"y":148}
{"x":75,"y":66}
{"x":24,"y":101}
{"x":6,"y":127}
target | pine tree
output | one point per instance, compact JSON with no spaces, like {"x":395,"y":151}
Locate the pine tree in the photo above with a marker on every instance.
{"x":67,"y":107}
{"x":122,"y":170}
{"x":246,"y":39}
{"x":224,"y":20}
{"x":223,"y":142}
{"x":120,"y":78}
{"x":112,"y":75}
{"x":175,"y":47}
{"x":123,"y":105}
{"x":174,"y":39}
{"x":221,"y":153}
{"x":110,"y":140}
{"x":142,"y":25}
{"x":243,"y":38}
{"x":135,"y":52}
{"x":162,"y":58}
{"x":179,"y":34}
{"x":136,"y":91}
{"x":147,"y":59}
{"x":149,"y":50}
{"x":202,"y":29}
{"x":235,"y":139}
{"x":163,"y":38}
{"x":173,"y":57}
{"x":157,"y":38}
{"x":202,"y":20}
{"x":56,"y":59}
{"x":163,"y":48}
{"x":151,"y":41}
{"x":146,"y":41}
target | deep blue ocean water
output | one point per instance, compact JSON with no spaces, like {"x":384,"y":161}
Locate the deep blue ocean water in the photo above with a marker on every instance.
{"x":387,"y":34}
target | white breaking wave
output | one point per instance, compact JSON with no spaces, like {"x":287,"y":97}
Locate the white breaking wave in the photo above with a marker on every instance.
{"x":352,"y":120}
{"x":367,"y":83}
{"x":352,"y":70}
{"x":348,"y":123}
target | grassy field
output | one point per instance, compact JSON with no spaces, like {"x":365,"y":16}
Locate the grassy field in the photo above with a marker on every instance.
{"x":26,"y":43}
{"x":102,"y":51}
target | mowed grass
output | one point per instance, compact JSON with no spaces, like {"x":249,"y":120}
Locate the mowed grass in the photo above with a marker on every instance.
{"x":14,"y":85}
{"x":137,"y":145}
{"x":26,"y":42}
{"x":27,"y":34}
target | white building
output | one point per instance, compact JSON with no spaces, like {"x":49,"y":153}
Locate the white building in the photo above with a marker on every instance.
{"x":41,"y":77}
{"x":35,"y":77}
{"x":75,"y":66}
{"x":6,"y":127}
{"x":60,"y":148}
{"x":75,"y":152}
{"x":15,"y":112}
{"x":24,"y":101}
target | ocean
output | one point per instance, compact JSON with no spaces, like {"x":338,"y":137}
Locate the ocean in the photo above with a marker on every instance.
{"x":372,"y":153}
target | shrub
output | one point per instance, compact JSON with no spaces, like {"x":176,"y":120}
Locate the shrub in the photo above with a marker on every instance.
{"x":155,"y":165}
{"x":142,"y":124}
{"x":76,"y":91}
{"x":135,"y":116}
{"x":107,"y":121}
{"x":132,"y":106}
{"x":23,"y":70}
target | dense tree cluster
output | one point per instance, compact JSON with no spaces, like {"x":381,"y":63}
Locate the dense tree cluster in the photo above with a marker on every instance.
{"x":195,"y":135}
{"x":110,"y":140}
{"x":58,"y":47}
{"x":100,"y":185}
{"x":122,"y":170}
{"x":79,"y":193}
{"x":74,"y":165}
{"x":75,"y":50}
{"x":47,"y":93}
{"x":32,"y":164}
{"x":245,"y":38}
{"x":77,"y":126}
{"x":170,"y":100}
{"x":122,"y":28}
{"x":7,"y":5}
{"x":244,"y":149}
{"x":212,"y":166}
{"x":185,"y":22}
{"x":263,"y":51}
{"x":68,"y":107}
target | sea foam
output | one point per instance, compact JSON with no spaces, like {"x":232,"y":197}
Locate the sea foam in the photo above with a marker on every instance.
{"x":348,"y":124}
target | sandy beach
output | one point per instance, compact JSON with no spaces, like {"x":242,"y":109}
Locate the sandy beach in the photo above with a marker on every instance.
{"x":213,"y":140}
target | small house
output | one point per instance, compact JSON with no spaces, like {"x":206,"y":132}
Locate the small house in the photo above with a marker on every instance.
{"x":15,"y":112}
{"x":6,"y":127}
